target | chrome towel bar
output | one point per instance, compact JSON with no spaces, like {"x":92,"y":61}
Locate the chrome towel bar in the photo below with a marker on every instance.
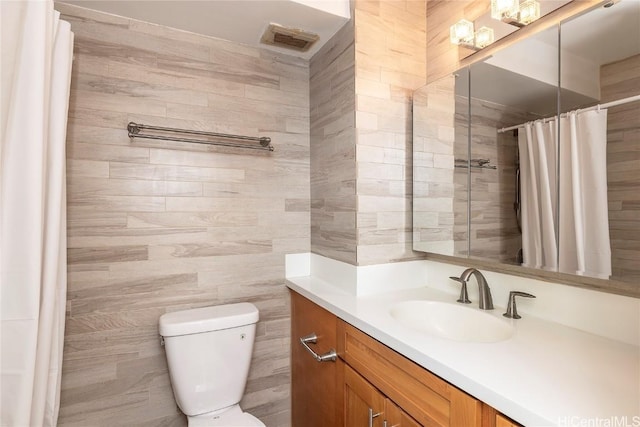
{"x":264,"y":142}
{"x":312,"y":338}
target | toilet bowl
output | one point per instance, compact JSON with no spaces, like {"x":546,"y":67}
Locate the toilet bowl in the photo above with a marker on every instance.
{"x":208,"y":353}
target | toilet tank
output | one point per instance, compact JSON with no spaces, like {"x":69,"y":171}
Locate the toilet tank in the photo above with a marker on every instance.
{"x":209,"y":352}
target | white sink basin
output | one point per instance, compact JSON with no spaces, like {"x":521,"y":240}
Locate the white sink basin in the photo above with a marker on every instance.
{"x":451,"y":321}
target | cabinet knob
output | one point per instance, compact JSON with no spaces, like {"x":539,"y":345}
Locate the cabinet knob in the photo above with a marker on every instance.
{"x":312,"y":338}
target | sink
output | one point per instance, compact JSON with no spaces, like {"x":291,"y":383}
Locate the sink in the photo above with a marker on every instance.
{"x":451,"y":321}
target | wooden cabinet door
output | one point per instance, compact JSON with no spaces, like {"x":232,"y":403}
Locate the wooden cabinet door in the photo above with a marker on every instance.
{"x":425,"y":397}
{"x":314,"y":385}
{"x":502,"y":421}
{"x":396,"y":417}
{"x":363,"y":403}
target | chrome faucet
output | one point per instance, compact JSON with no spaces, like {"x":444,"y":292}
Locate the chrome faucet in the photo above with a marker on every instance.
{"x":486,"y":301}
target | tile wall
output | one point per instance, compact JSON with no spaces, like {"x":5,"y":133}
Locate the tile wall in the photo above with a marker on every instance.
{"x":333,"y":149}
{"x":391,"y":49}
{"x":362,"y":177}
{"x":436,"y":194}
{"x":156,"y":227}
{"x":494,"y":227}
{"x":619,"y":80}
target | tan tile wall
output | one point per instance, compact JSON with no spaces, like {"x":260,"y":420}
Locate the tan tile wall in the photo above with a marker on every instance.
{"x":434,"y":125}
{"x":390,"y":58}
{"x":494,"y":228}
{"x":156,"y":227}
{"x":361,"y":133}
{"x":333,"y":149}
{"x":620,"y":80}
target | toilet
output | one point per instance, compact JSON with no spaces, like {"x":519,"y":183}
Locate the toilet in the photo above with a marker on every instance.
{"x":209,"y":352}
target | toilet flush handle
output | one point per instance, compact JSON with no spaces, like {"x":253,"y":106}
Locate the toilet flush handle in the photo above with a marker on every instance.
{"x":312,"y":338}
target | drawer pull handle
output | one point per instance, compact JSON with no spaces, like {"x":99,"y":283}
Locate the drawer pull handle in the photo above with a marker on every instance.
{"x":312,"y":338}
{"x":372,"y":416}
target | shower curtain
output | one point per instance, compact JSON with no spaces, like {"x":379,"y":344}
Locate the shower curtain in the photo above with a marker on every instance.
{"x":36,"y":70}
{"x":585,"y":248}
{"x":538,"y":148}
{"x":565,"y":220}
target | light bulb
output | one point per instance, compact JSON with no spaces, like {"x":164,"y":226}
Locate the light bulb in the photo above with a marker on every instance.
{"x":461,"y":32}
{"x":484,"y":37}
{"x":529,"y":11}
{"x":501,"y":9}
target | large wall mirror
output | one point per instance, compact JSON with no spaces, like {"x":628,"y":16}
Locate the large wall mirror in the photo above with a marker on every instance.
{"x":532,"y":156}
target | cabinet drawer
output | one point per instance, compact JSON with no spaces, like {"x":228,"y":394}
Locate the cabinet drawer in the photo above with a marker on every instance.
{"x":424,"y":396}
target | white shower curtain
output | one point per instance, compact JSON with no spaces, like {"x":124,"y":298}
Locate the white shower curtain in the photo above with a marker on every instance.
{"x":538,"y":148}
{"x":36,"y":69}
{"x":578,"y":214}
{"x":585,"y":248}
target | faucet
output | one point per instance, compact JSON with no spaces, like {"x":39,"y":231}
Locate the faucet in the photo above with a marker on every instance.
{"x":486,"y":301}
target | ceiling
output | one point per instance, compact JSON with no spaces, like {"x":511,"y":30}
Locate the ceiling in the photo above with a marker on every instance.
{"x":241,"y":21}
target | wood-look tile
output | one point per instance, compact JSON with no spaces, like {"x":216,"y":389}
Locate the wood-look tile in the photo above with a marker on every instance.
{"x":623,"y":135}
{"x":220,"y":72}
{"x":157,"y":226}
{"x":116,"y":203}
{"x":219,"y":248}
{"x":132,"y":187}
{"x":175,"y":78}
{"x":88,"y":168}
{"x":205,"y":204}
{"x":106,"y":255}
{"x":96,"y":118}
{"x":173,"y":173}
{"x":198,"y":219}
{"x":80,"y":151}
{"x":116,"y":103}
{"x":121,"y":86}
{"x":121,"y":36}
{"x":208,"y":160}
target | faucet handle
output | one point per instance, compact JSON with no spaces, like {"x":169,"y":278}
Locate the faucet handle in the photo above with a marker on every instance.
{"x":512,"y":310}
{"x":464,"y":296}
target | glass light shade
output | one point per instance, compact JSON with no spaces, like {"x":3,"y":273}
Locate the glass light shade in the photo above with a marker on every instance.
{"x":504,"y":9}
{"x":484,"y":37}
{"x":529,"y":11}
{"x":461,"y":32}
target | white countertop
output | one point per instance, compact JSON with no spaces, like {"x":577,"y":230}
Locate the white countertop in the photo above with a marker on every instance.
{"x":546,"y":374}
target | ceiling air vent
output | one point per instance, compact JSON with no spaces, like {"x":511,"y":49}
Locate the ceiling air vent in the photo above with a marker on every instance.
{"x":288,"y":38}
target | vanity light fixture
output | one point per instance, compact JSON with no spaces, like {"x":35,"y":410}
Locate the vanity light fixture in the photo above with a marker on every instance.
{"x":484,"y":37}
{"x":504,"y":10}
{"x":461,"y":33}
{"x":511,"y":12}
{"x":529,"y":11}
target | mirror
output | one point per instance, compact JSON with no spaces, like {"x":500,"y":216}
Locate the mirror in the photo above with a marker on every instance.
{"x":440,"y":191}
{"x":586,"y":218}
{"x":601,"y":57}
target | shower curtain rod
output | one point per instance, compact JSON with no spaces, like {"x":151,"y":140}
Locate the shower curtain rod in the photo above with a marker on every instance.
{"x":134,"y":130}
{"x":595,"y":107}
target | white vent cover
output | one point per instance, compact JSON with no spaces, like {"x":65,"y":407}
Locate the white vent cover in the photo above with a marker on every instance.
{"x":288,"y":38}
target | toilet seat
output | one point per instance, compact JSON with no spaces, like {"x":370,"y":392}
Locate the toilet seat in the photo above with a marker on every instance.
{"x":232,"y":418}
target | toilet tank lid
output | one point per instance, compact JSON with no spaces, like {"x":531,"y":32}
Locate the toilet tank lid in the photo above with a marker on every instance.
{"x":207,"y":319}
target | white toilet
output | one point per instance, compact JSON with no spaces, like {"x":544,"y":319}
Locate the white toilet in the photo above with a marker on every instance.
{"x":209,"y":352}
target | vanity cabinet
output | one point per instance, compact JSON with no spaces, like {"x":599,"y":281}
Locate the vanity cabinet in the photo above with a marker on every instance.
{"x":364,"y":405}
{"x":314,"y":385}
{"x":369,"y":384}
{"x":502,"y":421}
{"x":423,"y":396}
